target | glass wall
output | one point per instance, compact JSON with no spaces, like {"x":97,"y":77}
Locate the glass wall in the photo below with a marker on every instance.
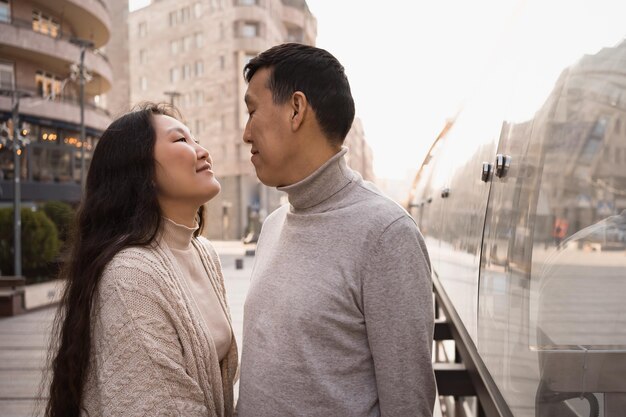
{"x":550,"y":305}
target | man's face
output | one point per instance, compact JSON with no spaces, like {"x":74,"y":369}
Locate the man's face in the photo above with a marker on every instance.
{"x":269,"y":133}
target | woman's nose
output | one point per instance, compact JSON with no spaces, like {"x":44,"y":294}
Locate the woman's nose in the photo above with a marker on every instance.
{"x":202,"y":152}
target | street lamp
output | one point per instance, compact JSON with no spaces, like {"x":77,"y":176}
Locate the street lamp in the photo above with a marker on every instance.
{"x":172,"y":95}
{"x":17,"y":140}
{"x":83,"y":44}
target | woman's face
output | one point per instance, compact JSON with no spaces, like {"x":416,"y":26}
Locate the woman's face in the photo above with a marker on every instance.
{"x":183,"y":168}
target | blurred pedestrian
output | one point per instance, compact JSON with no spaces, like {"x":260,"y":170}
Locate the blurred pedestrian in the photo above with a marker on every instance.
{"x":338,"y":320}
{"x":144,"y":327}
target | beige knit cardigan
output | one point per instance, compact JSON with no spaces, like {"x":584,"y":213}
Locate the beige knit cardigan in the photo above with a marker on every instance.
{"x":152,"y":354}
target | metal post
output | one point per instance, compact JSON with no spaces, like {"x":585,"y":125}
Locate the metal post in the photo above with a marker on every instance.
{"x":83,"y":44}
{"x":82,"y":117}
{"x":17,"y":210}
{"x":172,"y":95}
{"x":17,"y":197}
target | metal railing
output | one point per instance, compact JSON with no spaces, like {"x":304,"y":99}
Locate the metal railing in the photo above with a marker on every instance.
{"x":37,"y":95}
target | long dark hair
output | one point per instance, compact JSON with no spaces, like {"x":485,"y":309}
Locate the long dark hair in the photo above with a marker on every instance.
{"x":119,"y":208}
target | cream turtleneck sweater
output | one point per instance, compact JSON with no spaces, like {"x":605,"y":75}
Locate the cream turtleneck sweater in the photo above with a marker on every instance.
{"x":198,"y":286}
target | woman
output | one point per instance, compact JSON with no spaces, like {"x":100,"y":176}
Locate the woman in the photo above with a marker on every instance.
{"x":144,"y":328}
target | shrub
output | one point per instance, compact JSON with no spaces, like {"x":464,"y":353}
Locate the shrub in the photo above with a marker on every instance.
{"x":40,"y":242}
{"x":61,"y":215}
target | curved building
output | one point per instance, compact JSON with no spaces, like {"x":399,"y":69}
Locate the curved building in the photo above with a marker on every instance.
{"x":38,"y":55}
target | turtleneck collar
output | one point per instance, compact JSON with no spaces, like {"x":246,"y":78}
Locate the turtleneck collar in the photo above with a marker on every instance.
{"x":177,"y":236}
{"x":326,"y":181}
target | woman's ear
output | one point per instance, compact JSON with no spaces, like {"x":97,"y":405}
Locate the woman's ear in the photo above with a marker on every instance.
{"x":299,"y":109}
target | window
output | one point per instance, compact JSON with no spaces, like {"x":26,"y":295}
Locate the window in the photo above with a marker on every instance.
{"x":142,"y":56}
{"x":174,"y":75}
{"x":222,"y":63}
{"x":143,"y":83}
{"x":143,"y":29}
{"x":173,"y":18}
{"x":199,"y":127}
{"x":174,"y":46}
{"x":186,"y":72}
{"x":7,"y":79}
{"x":184,"y":14}
{"x":45,"y":24}
{"x":5,"y":11}
{"x":295,"y":34}
{"x":248,"y":57}
{"x":249,"y":30}
{"x":187,"y":43}
{"x":199,"y":39}
{"x":48,"y":85}
{"x":197,"y":10}
{"x":199,"y":98}
{"x":199,"y":68}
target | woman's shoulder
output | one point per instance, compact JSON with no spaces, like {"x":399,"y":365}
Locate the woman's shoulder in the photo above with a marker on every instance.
{"x":134,"y":263}
{"x":206,"y":244}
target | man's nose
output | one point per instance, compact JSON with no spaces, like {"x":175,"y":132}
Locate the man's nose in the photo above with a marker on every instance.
{"x":247,"y":137}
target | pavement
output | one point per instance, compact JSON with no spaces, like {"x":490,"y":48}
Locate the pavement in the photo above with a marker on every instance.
{"x":24,"y":338}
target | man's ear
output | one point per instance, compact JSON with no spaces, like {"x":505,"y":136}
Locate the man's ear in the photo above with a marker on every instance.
{"x":299,"y":109}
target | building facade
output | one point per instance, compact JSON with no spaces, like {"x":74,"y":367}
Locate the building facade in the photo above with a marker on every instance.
{"x":360,"y":156}
{"x":192,"y":53}
{"x":39,"y":56}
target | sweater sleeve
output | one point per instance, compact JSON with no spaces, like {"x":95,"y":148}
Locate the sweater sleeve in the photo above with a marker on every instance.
{"x":398,"y":310}
{"x":138,"y":355}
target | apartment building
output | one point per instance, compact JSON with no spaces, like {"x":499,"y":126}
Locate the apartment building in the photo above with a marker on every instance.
{"x":39,"y":56}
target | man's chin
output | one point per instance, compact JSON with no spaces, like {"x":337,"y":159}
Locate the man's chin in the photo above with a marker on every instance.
{"x":267,"y":181}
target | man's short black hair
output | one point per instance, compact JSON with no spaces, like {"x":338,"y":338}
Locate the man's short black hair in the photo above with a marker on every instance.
{"x":316,"y":73}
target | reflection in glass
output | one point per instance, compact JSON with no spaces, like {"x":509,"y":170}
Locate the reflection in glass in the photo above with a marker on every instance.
{"x":552,"y":304}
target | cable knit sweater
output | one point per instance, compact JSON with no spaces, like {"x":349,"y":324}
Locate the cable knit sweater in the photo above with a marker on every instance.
{"x":152,"y":354}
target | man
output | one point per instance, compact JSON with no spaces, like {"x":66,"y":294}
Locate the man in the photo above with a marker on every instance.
{"x":339,"y":317}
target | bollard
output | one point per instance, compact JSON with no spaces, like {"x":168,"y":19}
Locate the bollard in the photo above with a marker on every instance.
{"x":239,"y":263}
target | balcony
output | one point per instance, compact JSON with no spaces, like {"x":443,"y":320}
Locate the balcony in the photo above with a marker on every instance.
{"x":63,"y":109}
{"x":88,"y":18}
{"x":294,"y":17}
{"x":20,"y":41}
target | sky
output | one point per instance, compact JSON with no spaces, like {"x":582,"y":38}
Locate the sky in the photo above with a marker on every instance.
{"x":407,"y":62}
{"x":413,"y":63}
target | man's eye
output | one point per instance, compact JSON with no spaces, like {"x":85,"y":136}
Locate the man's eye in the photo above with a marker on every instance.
{"x":179,"y":139}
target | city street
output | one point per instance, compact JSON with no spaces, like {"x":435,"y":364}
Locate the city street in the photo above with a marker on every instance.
{"x":23,"y":339}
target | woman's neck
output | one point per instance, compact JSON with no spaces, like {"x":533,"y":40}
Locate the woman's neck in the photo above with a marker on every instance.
{"x":181,"y":213}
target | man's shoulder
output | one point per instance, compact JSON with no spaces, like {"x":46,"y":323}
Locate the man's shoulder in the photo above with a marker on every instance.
{"x":377,"y":209}
{"x":277,"y":215}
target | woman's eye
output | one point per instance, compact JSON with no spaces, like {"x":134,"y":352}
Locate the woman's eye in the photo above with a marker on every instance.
{"x":179,"y":139}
